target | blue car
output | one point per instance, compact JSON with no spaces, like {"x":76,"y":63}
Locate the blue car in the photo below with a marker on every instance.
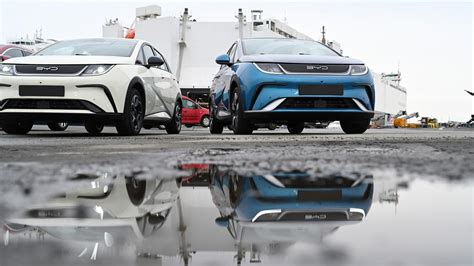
{"x":271,"y":212}
{"x":289,"y":82}
{"x":283,"y":197}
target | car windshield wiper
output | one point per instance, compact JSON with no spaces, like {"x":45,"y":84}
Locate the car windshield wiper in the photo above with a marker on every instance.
{"x":82,"y":54}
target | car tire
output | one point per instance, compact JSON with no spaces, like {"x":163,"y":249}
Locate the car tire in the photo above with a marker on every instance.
{"x":174,"y":126}
{"x":295,"y":128}
{"x":239,"y":124}
{"x":94,"y":128}
{"x":215,"y":126}
{"x":17,"y":128}
{"x":355,"y":126}
{"x":235,"y":189}
{"x":147,"y":126}
{"x":61,"y":126}
{"x":272,"y":126}
{"x":205,"y":121}
{"x":136,"y":190}
{"x":134,"y":113}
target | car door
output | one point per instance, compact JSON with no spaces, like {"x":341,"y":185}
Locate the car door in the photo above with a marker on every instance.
{"x":168,"y":84}
{"x":153,"y":84}
{"x":187,"y":112}
{"x":222,"y":81}
{"x":193,"y":112}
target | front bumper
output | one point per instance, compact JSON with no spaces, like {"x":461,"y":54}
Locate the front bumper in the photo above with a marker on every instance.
{"x":103,"y":94}
{"x":306,"y":116}
{"x":108,"y":119}
{"x":267,"y":97}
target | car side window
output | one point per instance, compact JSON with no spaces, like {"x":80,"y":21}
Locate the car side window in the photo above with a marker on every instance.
{"x":13,"y":53}
{"x":26,"y":53}
{"x":139,"y":60}
{"x":147,"y":52}
{"x":164,"y":66}
{"x":232,"y":52}
{"x":189,"y":104}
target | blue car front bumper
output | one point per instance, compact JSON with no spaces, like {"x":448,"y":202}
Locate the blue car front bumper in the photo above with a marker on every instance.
{"x":275,"y":97}
{"x":260,"y":196}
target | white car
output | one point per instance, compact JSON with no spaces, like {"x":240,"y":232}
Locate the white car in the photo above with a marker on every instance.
{"x":99,"y":82}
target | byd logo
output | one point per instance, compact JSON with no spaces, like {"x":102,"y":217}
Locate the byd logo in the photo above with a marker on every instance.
{"x":42,"y":68}
{"x":315,"y":217}
{"x":323,"y":68}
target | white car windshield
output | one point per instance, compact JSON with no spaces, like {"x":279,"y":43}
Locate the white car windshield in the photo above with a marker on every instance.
{"x":285,"y":47}
{"x":91,"y":47}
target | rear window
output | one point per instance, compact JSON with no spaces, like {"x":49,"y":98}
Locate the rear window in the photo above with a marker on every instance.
{"x":91,"y":47}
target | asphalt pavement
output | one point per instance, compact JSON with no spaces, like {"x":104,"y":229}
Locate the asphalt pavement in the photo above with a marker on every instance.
{"x":430,"y":170}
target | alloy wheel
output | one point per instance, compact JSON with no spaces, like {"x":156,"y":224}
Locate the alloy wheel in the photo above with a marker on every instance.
{"x":235,"y":109}
{"x":177,"y":118}
{"x":136,"y":112}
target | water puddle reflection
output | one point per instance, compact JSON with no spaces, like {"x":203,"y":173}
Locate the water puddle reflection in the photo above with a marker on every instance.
{"x":215,"y":214}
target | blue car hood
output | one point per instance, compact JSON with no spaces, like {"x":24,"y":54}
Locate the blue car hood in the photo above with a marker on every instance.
{"x":300,"y":59}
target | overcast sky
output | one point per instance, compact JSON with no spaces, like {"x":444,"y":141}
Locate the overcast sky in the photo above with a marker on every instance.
{"x":430,"y":40}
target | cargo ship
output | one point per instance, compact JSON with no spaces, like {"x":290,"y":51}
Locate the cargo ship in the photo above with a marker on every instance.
{"x":191,"y":46}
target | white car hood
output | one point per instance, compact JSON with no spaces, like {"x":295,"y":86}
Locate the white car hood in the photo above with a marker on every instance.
{"x":70,"y":60}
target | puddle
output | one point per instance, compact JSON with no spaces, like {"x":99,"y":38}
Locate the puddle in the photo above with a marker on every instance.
{"x":208,"y":214}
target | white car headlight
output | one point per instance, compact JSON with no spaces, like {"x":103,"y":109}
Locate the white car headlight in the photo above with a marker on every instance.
{"x":269,"y":68}
{"x":6,"y":70}
{"x":358,"y":69}
{"x":94,"y":70}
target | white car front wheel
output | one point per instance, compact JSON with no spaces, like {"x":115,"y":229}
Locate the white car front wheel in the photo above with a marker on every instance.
{"x":134,"y":112}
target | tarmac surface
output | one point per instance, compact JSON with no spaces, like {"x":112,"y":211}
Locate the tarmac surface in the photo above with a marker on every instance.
{"x":446,"y":153}
{"x":432,"y":168}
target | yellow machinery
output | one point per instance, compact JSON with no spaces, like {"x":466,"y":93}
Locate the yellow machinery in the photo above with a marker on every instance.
{"x":428,"y":122}
{"x":401,"y":121}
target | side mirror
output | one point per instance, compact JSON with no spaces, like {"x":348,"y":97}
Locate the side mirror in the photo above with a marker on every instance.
{"x":223,"y":60}
{"x":4,"y":57}
{"x":222,"y":221}
{"x":154,"y":61}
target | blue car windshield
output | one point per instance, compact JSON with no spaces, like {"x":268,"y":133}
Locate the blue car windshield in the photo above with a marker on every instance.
{"x":91,"y":47}
{"x":285,"y":47}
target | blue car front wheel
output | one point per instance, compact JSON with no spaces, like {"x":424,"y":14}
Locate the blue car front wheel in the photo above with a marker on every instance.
{"x":355,"y":126}
{"x":239,"y":124}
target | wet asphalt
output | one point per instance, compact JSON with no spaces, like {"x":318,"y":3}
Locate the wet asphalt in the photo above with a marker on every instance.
{"x":447,"y":153}
{"x":431,"y":170}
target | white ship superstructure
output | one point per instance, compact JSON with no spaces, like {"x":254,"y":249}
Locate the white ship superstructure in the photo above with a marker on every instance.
{"x":35,"y":44}
{"x":191,"y":46}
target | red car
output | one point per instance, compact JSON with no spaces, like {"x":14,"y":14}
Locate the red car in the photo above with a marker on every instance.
{"x":194,"y":114}
{"x":10,"y":51}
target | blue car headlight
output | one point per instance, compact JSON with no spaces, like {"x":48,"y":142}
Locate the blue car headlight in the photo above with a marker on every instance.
{"x":94,"y":70}
{"x":6,"y":70}
{"x":358,"y":70}
{"x":269,"y":68}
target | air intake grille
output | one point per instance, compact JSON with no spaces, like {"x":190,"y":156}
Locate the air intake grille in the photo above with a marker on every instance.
{"x":50,"y":104}
{"x":49,"y":69}
{"x":315,"y":68}
{"x":330,"y":103}
{"x":314,"y":216}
